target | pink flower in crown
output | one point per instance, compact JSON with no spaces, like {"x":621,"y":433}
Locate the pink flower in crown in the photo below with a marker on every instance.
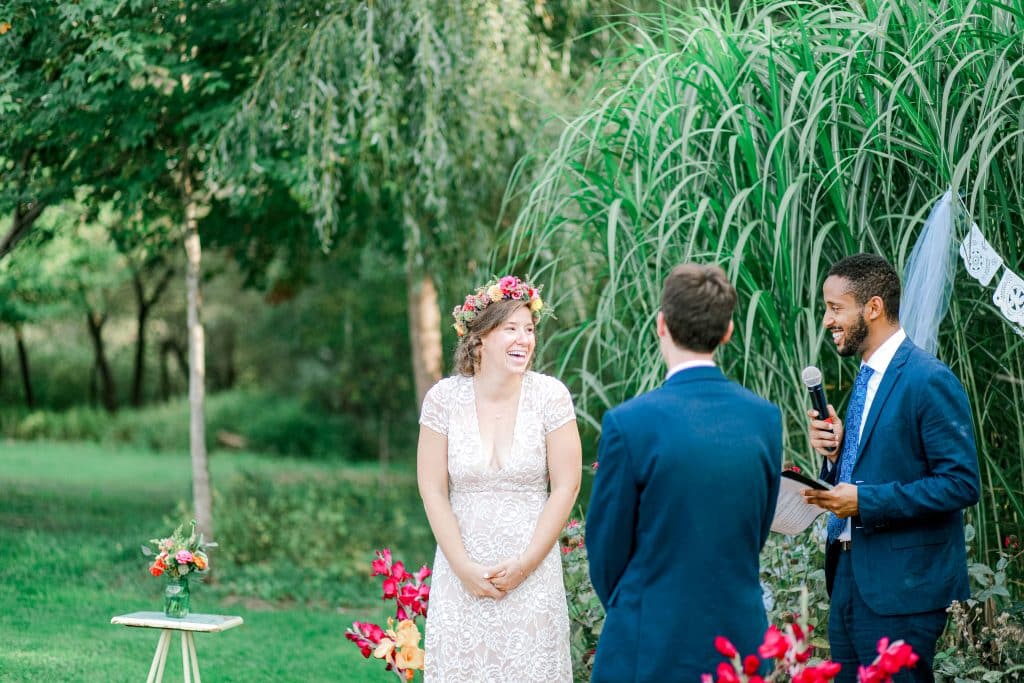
{"x":382,"y":565}
{"x":470,"y":303}
{"x":509,"y":285}
{"x":531,"y":293}
{"x":183,"y":557}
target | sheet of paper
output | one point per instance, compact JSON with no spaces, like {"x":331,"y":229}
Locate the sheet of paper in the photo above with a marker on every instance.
{"x":792,"y":513}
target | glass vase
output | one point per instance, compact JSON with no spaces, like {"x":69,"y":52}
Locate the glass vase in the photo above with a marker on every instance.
{"x":176,"y":598}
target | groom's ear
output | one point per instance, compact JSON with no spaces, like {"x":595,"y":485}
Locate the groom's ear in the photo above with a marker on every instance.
{"x":661,"y":326}
{"x":728,"y":334}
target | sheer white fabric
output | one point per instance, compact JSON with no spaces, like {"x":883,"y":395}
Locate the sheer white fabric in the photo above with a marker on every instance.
{"x":523,"y":638}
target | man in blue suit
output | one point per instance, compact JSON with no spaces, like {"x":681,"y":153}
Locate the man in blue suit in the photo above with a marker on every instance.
{"x":682,"y":502}
{"x":904,"y":465}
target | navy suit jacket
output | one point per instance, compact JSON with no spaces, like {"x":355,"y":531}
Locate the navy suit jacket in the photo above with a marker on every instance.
{"x":916,"y":471}
{"x":683,"y":498}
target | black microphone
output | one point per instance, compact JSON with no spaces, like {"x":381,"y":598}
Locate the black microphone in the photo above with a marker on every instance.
{"x":812,"y":378}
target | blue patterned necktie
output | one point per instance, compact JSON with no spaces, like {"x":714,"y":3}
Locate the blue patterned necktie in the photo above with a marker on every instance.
{"x":851,"y":441}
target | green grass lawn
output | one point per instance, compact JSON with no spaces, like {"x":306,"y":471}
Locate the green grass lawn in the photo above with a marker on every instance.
{"x":72,"y":518}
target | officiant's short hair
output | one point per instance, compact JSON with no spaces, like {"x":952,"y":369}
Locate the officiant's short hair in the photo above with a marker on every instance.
{"x":698,"y":301}
{"x":871,"y":275}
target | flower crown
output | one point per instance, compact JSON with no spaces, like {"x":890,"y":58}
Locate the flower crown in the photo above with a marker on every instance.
{"x":508,"y":288}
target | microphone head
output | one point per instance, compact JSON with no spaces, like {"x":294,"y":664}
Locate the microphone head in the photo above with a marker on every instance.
{"x":811,"y":376}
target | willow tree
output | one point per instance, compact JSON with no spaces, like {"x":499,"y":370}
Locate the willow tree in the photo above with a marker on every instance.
{"x":404,"y":117}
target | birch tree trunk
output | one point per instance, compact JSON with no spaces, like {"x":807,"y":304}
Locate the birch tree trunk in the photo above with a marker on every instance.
{"x":424,"y":332}
{"x":202,"y":498}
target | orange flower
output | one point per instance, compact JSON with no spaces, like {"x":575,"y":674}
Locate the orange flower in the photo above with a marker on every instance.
{"x":384,"y":649}
{"x":199,"y":559}
{"x":157,"y":568}
{"x":407,"y":635}
{"x":409,"y":658}
{"x":5,"y":26}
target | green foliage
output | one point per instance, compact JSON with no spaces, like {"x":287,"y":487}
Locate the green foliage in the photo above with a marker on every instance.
{"x":984,"y":640}
{"x":267,"y":423}
{"x":311,"y":538}
{"x":775,"y":141}
{"x":792,"y":571}
{"x":586,"y":615}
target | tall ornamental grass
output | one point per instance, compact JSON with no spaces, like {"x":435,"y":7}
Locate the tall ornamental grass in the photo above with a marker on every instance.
{"x":775,"y":140}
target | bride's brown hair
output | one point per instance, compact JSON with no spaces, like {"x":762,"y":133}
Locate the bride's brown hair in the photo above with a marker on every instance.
{"x":467,"y":351}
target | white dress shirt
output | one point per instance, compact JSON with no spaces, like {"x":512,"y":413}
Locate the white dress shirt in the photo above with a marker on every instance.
{"x":879,"y":363}
{"x":686,"y":365}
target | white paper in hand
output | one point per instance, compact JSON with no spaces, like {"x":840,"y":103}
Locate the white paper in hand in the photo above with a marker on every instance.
{"x":793,"y":514}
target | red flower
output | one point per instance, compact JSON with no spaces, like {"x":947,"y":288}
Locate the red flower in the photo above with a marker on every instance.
{"x":775,"y":645}
{"x":156,"y":569}
{"x":424,"y":592}
{"x":724,"y":647}
{"x":366,"y":650}
{"x":423,"y":573}
{"x":382,"y":565}
{"x":408,"y":595}
{"x":727,"y":674}
{"x":594,"y":466}
{"x":398,"y":571}
{"x":892,"y":658}
{"x":751,"y":664}
{"x":390,"y":588}
{"x":822,"y":673}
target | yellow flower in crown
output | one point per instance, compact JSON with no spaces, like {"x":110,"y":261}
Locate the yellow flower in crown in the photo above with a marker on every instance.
{"x":507,"y":288}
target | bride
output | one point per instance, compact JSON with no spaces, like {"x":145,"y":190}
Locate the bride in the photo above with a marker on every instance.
{"x":498,"y":465}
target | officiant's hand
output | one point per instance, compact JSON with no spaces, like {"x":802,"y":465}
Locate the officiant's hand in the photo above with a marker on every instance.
{"x":841,"y":499}
{"x":826,"y":437}
{"x":510,"y":574}
{"x":477,"y":580}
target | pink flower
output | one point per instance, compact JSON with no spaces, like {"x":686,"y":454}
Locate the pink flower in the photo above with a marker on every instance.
{"x":775,"y":645}
{"x":573,"y":523}
{"x":424,"y":592}
{"x":423,"y":573}
{"x":183,"y":557}
{"x":470,"y":303}
{"x":751,"y":664}
{"x":382,"y":565}
{"x":566,"y":549}
{"x":408,"y":595}
{"x":594,"y":466}
{"x":390,"y":588}
{"x":727,"y":674}
{"x":726,"y":648}
{"x":398,"y":571}
{"x":508,"y":284}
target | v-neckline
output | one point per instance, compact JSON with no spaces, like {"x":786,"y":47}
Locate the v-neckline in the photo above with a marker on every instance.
{"x":515,"y":426}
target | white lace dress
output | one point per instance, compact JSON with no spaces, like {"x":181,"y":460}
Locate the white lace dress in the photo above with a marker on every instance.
{"x":525,"y":636}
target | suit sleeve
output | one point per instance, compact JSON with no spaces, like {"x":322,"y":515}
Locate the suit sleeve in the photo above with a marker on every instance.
{"x":774,"y":473}
{"x":611,"y":516}
{"x":952,"y":482}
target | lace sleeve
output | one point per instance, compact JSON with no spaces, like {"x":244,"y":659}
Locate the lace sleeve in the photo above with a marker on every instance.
{"x":557,"y":407}
{"x":434,"y":413}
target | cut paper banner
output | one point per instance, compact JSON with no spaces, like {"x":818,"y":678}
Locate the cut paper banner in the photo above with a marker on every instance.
{"x":1009,"y":297}
{"x":980,"y":259}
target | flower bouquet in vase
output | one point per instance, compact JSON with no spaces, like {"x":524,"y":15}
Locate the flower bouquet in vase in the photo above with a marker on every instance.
{"x":398,"y":645}
{"x":178,"y":557}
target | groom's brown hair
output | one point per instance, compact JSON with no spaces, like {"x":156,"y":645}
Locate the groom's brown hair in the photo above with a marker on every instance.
{"x":697,"y":302}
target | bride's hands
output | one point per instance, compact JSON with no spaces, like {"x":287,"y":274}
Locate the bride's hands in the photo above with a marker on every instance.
{"x":477,"y":580}
{"x":509,"y":574}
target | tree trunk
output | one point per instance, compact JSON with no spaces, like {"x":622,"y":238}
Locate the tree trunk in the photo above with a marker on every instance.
{"x":202,"y":498}
{"x":108,"y":392}
{"x":24,"y":216}
{"x":26,"y":378}
{"x":424,"y":332}
{"x":144,"y":306}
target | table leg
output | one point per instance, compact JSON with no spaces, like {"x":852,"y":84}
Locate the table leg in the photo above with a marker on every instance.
{"x":195,"y":657}
{"x":184,"y":657}
{"x":156,"y":669}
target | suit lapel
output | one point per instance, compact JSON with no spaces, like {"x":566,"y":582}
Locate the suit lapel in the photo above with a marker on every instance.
{"x":889,"y":379}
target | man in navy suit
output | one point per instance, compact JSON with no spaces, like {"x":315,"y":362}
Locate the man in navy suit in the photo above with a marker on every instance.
{"x":904,"y":465}
{"x":683,"y":500}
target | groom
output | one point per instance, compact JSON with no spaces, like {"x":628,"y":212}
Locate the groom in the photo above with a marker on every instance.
{"x":683,"y":500}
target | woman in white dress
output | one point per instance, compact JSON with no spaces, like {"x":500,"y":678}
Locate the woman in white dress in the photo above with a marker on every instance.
{"x":498,"y":465}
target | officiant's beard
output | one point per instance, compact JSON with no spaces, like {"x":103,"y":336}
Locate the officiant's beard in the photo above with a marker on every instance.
{"x":854,"y":337}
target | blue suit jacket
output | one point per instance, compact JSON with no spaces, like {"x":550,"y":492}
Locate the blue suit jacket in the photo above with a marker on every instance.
{"x":917,"y":470}
{"x":686,"y":486}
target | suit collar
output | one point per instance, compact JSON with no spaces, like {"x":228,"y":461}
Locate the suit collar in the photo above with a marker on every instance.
{"x":889,"y":379}
{"x":697,"y":374}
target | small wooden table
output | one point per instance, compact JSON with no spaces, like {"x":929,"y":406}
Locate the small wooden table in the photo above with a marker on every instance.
{"x":205,"y":623}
